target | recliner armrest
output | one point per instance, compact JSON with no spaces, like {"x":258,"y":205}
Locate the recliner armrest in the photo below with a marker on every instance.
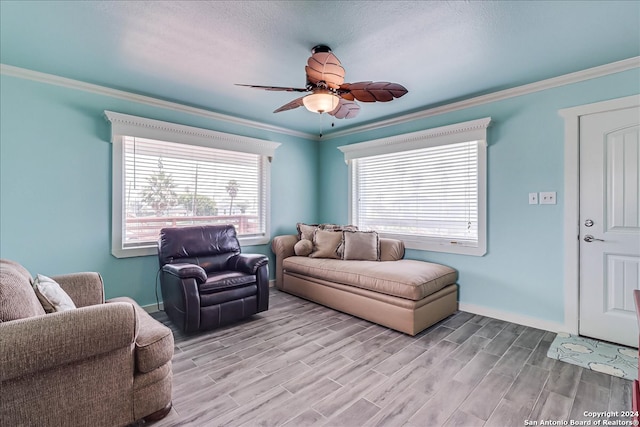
{"x":247,"y":263}
{"x":186,"y":271}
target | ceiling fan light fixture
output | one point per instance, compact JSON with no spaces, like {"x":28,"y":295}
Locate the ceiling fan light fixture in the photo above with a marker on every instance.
{"x":321,"y":102}
{"x":329,"y":93}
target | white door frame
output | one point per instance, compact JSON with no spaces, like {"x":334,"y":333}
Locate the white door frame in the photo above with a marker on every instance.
{"x":572,"y":201}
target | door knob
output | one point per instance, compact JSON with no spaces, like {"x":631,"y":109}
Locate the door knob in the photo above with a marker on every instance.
{"x":589,"y":238}
{"x":588,"y":223}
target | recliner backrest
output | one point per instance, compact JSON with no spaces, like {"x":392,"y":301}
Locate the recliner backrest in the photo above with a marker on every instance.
{"x":208,"y":246}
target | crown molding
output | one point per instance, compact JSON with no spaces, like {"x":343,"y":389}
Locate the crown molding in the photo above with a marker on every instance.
{"x":578,"y":76}
{"x":141,"y":127}
{"x":52,"y":79}
{"x":474,"y":130}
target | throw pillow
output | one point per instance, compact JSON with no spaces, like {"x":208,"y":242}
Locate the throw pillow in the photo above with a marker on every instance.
{"x":361,"y":245}
{"x":305,"y":231}
{"x":52,"y":297}
{"x":325,"y":244}
{"x":337,"y":227}
{"x":303,"y":248}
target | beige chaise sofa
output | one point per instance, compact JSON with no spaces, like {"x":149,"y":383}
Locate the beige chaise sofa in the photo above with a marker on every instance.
{"x":405,"y":295}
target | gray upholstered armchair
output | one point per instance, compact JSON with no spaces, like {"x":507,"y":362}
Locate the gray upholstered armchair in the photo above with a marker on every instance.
{"x":105,"y":364}
{"x":206,"y":282}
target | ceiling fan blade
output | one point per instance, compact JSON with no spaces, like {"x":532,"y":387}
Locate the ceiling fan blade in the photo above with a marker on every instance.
{"x":276,"y":88}
{"x":346,"y":95}
{"x":291,"y":105}
{"x":345,"y":110}
{"x":326,"y":67}
{"x":373,"y":91}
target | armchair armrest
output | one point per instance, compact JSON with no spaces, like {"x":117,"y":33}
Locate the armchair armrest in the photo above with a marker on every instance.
{"x":257,"y":264}
{"x":186,"y":271}
{"x":84,"y":288}
{"x":44,"y":342}
{"x":247,"y":263}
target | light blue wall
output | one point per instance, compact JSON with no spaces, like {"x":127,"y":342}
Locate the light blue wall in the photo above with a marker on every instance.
{"x":55,"y":182}
{"x":55,"y":188}
{"x":522,"y":272}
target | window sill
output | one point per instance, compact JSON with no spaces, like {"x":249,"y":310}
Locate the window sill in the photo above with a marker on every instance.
{"x":424,"y":244}
{"x":150,"y":250}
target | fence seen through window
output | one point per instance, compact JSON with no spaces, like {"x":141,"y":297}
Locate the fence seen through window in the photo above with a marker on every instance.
{"x":168,"y":184}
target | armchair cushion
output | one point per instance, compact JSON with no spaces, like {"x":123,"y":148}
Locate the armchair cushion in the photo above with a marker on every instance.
{"x":17,"y":299}
{"x":186,"y":271}
{"x":223,"y":280}
{"x":52,"y":297}
{"x":154,"y":342}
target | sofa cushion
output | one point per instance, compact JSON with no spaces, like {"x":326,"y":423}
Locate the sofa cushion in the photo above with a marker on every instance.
{"x":304,"y":247}
{"x":361,"y":245}
{"x":325,"y":244}
{"x":404,"y":278}
{"x":306,"y":231}
{"x":154,"y":342}
{"x":17,"y":298}
{"x":391,"y":249}
{"x":52,"y":297}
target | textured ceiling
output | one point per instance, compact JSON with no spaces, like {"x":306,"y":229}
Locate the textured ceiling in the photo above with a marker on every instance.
{"x":194,"y":52}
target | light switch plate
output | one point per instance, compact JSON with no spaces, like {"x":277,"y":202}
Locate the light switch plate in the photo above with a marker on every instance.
{"x":548,"y":198}
{"x":533,"y":198}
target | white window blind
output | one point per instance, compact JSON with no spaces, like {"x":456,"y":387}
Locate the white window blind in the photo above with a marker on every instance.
{"x":171,"y":175}
{"x":427,"y":188}
{"x":168,"y":184}
{"x":430,"y":192}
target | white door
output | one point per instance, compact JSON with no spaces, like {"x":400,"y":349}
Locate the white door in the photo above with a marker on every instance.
{"x":609,"y":225}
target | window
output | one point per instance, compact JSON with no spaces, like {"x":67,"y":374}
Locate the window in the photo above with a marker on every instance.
{"x":185,"y":176}
{"x":427,"y":188}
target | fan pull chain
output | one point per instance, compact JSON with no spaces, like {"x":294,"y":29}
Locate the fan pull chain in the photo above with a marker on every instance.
{"x":321,"y":123}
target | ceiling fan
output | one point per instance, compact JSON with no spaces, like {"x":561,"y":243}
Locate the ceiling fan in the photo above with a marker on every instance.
{"x":329,"y":93}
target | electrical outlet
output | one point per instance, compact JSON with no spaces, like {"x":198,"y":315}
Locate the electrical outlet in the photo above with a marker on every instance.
{"x":533,"y":198}
{"x":548,"y":198}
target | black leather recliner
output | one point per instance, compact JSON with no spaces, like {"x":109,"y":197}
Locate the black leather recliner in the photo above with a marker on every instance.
{"x":206,"y":282}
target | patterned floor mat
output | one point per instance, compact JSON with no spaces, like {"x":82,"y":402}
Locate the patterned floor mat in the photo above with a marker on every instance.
{"x":596,"y":355}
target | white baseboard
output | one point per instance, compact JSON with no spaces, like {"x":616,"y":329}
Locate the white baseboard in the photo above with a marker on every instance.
{"x":272,"y":283}
{"x":152,"y":308}
{"x":512,"y":317}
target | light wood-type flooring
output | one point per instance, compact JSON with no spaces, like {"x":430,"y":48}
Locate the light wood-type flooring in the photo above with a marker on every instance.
{"x":302,"y":364}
